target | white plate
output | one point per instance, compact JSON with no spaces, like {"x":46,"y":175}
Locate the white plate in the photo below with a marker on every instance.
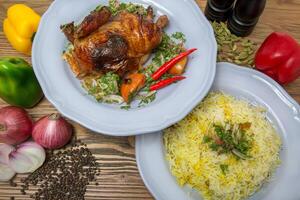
{"x":283,"y":112}
{"x":64,"y":91}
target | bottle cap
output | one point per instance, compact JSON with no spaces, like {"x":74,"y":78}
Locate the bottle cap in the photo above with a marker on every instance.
{"x":214,"y":13}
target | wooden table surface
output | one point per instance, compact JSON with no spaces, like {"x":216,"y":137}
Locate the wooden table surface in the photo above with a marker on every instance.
{"x":119,"y":178}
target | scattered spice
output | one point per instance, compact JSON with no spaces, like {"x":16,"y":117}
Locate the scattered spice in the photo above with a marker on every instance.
{"x":65,"y":174}
{"x":12,"y":183}
{"x":232,"y":48}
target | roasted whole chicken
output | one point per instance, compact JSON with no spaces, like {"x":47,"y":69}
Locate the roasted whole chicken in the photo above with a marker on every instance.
{"x":103,"y":43}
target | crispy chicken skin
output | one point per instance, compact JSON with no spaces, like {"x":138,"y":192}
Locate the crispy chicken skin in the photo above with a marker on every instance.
{"x":104,"y":43}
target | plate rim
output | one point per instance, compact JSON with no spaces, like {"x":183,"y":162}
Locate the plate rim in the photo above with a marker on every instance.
{"x":67,"y":112}
{"x":269,"y":80}
{"x":266,"y":78}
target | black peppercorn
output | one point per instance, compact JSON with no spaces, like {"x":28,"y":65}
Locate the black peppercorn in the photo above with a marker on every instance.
{"x":65,"y":174}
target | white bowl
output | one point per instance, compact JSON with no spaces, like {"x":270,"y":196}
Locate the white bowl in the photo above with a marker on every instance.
{"x":259,"y":89}
{"x":173,"y":103}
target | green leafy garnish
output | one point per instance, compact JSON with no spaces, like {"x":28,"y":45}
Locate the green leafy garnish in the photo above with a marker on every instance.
{"x":109,"y":83}
{"x":230,"y":138}
{"x":168,"y":49}
{"x":125,"y":107}
{"x":179,"y":36}
{"x":146,"y":99}
{"x":224,"y":168}
{"x":232,"y":48}
{"x":213,"y":146}
{"x":115,"y":7}
{"x":207,"y":139}
{"x":98,"y":7}
{"x":104,"y":89}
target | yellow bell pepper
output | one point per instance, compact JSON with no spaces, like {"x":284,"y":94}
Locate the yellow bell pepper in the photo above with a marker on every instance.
{"x":20,"y":27}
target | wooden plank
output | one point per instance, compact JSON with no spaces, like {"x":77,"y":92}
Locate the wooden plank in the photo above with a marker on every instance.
{"x":119,"y":178}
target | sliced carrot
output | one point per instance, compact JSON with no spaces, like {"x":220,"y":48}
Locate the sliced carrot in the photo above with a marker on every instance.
{"x":179,"y":68}
{"x":131,"y":84}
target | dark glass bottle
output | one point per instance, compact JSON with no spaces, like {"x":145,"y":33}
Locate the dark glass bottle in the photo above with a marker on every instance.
{"x":218,"y":10}
{"x":245,"y":16}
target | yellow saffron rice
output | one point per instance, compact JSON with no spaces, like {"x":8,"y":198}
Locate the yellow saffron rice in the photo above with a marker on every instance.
{"x":194,"y":163}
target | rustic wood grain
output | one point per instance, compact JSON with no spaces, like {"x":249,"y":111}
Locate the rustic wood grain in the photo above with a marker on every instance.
{"x":119,"y":178}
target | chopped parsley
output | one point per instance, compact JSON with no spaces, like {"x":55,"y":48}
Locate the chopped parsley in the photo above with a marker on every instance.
{"x":109,"y":83}
{"x":179,"y":36}
{"x":224,"y":168}
{"x":146,"y":99}
{"x":115,"y":7}
{"x":207,"y":139}
{"x":168,"y":49}
{"x":125,"y":107}
{"x":98,"y":7}
{"x":104,"y":89}
{"x":214,"y":146}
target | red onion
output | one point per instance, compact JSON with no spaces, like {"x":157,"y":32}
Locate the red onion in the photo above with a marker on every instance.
{"x":27,"y":157}
{"x":6,"y":173}
{"x":15,"y":125}
{"x":52,"y":131}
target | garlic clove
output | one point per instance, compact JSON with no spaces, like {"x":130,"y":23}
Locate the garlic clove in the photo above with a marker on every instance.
{"x":5,"y":150}
{"x":28,"y":157}
{"x":19,"y":162}
{"x":6,"y":173}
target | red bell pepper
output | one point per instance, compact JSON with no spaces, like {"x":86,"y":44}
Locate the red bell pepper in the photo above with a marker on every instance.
{"x":279,"y":57}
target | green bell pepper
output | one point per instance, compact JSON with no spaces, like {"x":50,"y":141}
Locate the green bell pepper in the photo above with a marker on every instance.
{"x":18,"y":84}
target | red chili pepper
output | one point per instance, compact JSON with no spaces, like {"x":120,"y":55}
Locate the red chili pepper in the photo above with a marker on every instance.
{"x":279,"y":58}
{"x":168,"y":65}
{"x":165,"y":82}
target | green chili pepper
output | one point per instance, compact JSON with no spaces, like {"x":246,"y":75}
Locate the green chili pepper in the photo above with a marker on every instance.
{"x":18,"y":84}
